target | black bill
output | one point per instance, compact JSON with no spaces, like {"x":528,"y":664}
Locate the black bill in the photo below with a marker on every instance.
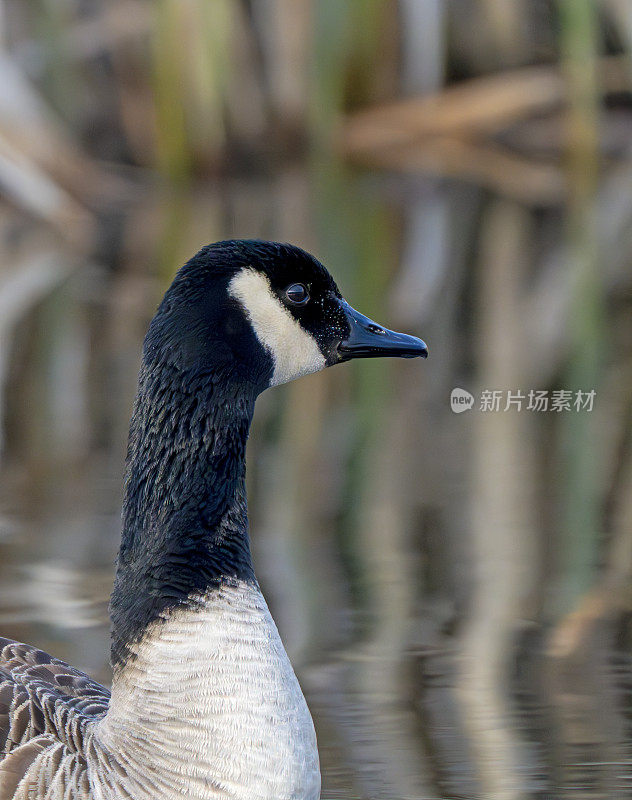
{"x":367,"y":339}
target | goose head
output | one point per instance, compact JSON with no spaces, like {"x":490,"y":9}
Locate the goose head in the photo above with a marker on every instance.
{"x":268,"y":313}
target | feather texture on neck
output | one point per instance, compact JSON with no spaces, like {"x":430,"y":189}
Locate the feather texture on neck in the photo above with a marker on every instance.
{"x":185,"y":525}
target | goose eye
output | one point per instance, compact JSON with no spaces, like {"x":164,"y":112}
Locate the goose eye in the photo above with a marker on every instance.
{"x":297,"y":294}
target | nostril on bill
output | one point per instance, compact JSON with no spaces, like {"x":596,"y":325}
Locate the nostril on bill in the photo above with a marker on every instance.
{"x":376,"y":329}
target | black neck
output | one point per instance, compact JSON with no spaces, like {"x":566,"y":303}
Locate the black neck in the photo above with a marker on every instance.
{"x":185,"y":524}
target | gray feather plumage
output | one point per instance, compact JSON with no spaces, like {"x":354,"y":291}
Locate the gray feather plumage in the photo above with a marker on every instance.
{"x":47,"y":709}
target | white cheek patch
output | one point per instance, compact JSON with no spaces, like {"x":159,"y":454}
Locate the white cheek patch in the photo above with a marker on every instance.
{"x":293,"y":350}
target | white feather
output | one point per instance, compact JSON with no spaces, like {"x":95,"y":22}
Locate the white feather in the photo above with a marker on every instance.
{"x":293,"y":350}
{"x":210,"y":707}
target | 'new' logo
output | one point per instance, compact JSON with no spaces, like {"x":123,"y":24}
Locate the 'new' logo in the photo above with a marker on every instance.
{"x":461,"y":400}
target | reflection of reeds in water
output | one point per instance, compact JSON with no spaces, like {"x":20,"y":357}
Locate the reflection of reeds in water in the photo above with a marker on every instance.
{"x":455,"y":590}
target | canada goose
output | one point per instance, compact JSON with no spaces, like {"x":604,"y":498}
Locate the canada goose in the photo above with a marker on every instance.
{"x":204,"y":701}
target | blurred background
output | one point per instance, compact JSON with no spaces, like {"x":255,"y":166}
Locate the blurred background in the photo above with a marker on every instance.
{"x":454,"y":589}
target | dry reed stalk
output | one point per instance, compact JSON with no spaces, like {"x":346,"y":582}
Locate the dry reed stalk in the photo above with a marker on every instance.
{"x":503,"y":476}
